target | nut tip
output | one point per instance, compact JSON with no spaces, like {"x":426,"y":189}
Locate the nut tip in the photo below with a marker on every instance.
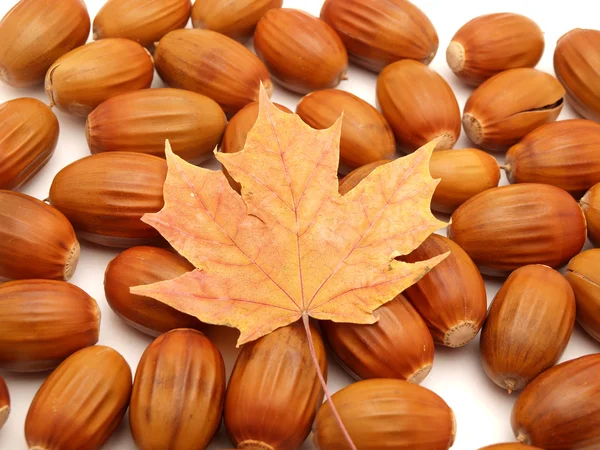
{"x":445,"y":141}
{"x":473,"y":128}
{"x":460,"y":334}
{"x":72,"y":260}
{"x":455,"y":56}
{"x":4,"y":413}
{"x":419,"y":375}
{"x":523,"y":437}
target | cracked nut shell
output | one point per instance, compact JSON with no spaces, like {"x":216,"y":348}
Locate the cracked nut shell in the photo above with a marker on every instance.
{"x":584,"y":277}
{"x":590,"y":204}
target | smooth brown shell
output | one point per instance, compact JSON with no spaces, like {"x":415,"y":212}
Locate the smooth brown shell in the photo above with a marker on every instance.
{"x":105,"y":195}
{"x":386,"y":414}
{"x":302,"y":52}
{"x":565,"y":154}
{"x":142,"y":21}
{"x":590,"y":204}
{"x":36,"y":240}
{"x":80,"y":80}
{"x":46,"y":30}
{"x":582,"y":274}
{"x":366,"y":136}
{"x":141,"y":121}
{"x":509,"y":105}
{"x":138,"y":266}
{"x":4,"y":402}
{"x":398,"y":345}
{"x":380,"y":32}
{"x":211,"y":64}
{"x":451,"y":298}
{"x":493,"y":43}
{"x":81,"y":403}
{"x":234,"y":18}
{"x":27,"y":140}
{"x":275,"y":377}
{"x":577,"y":66}
{"x":510,"y":446}
{"x":44,"y":321}
{"x":560,"y":409}
{"x":419,"y":105}
{"x":178,"y":392}
{"x":507,"y":227}
{"x":240,"y":124}
{"x":463,"y":174}
{"x":528,"y":326}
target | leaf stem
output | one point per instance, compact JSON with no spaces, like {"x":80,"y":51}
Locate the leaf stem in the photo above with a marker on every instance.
{"x":313,"y":354}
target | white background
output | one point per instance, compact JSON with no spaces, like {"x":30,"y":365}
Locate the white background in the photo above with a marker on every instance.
{"x":482,"y":409}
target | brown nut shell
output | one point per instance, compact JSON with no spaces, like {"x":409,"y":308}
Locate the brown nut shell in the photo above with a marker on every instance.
{"x":510,"y":446}
{"x":507,"y":227}
{"x":141,"y":121}
{"x":419,"y":105}
{"x":380,"y":32}
{"x":236,"y":19}
{"x":577,"y":66}
{"x":493,"y":43}
{"x":142,"y":21}
{"x":560,"y":409}
{"x":36,"y":240}
{"x":211,"y":64}
{"x":46,"y":30}
{"x":528,"y":326}
{"x":138,"y":266}
{"x":463,"y":174}
{"x":584,"y":277}
{"x":565,"y":154}
{"x":27,"y":140}
{"x":302,"y":52}
{"x":82,"y":79}
{"x":386,"y":414}
{"x":366,"y":136}
{"x":4,"y":402}
{"x":275,"y":376}
{"x":105,"y":195}
{"x":81,"y":403}
{"x":590,"y":204}
{"x":398,"y":345}
{"x":509,"y":105}
{"x":44,"y":321}
{"x":451,"y":298}
{"x":178,"y":392}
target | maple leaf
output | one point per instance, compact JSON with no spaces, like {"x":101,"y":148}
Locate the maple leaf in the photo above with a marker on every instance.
{"x":290,"y":245}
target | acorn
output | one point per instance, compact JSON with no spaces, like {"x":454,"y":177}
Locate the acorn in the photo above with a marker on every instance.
{"x":141,"y":121}
{"x":463,"y":174}
{"x":366,"y":136}
{"x":386,"y":414}
{"x":138,"y":266}
{"x":590,"y":204}
{"x":302,"y":52}
{"x":493,"y":43}
{"x":528,"y":326}
{"x":509,"y":105}
{"x":560,"y":409}
{"x":236,"y":19}
{"x":507,"y":227}
{"x":44,"y":321}
{"x":584,"y":277}
{"x":178,"y":392}
{"x":454,"y":313}
{"x":81,"y":79}
{"x":36,"y":33}
{"x":36,"y":240}
{"x":577,"y":67}
{"x":419,"y":105}
{"x":105,"y":195}
{"x":240,"y":124}
{"x":275,"y":377}
{"x":27,"y":140}
{"x":380,"y":32}
{"x":510,"y":446}
{"x":4,"y":402}
{"x":81,"y":403}
{"x":211,"y":64}
{"x":565,"y":154}
{"x":140,"y":20}
{"x":398,"y":345}
{"x":351,"y":180}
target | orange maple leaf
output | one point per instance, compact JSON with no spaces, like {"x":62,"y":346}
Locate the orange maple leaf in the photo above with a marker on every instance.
{"x":290,"y":245}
